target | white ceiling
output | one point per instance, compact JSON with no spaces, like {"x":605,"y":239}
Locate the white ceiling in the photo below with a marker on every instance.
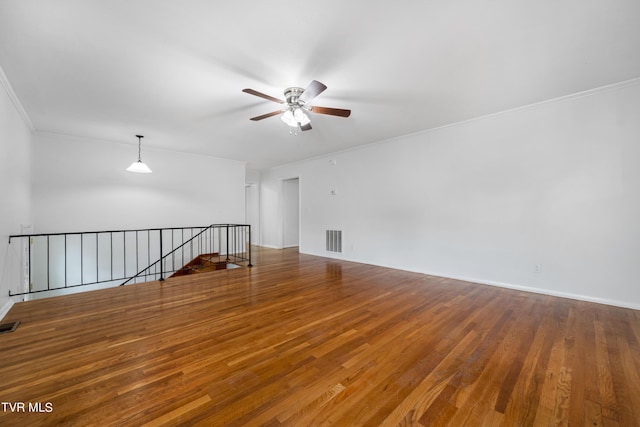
{"x":174,"y":70}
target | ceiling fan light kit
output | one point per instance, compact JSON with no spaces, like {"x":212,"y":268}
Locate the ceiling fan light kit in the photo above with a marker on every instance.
{"x":295,"y":117}
{"x":296,"y":99}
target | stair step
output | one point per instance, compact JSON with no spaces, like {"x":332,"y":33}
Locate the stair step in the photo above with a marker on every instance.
{"x":202,"y":263}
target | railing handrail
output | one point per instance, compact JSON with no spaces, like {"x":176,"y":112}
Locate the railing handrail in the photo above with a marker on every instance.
{"x":15,"y":236}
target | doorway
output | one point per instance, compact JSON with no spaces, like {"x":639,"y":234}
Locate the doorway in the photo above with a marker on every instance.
{"x":291,"y":213}
{"x":252,"y":210}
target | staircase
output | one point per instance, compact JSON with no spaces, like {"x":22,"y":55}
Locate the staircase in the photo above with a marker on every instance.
{"x":201,"y":264}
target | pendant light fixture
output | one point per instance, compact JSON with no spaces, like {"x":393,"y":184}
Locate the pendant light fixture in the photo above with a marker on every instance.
{"x":139,"y":166}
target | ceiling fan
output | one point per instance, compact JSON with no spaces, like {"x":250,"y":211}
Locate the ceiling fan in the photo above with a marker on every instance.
{"x":297,"y":100}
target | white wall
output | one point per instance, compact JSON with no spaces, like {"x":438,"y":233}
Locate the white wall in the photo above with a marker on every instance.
{"x":81,"y":185}
{"x":15,"y":192}
{"x":555,"y":184}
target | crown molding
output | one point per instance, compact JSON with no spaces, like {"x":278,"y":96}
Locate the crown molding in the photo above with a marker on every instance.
{"x":564,"y":98}
{"x":4,"y":81}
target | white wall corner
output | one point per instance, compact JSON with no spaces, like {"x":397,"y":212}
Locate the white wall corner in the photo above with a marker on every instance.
{"x":4,"y":81}
{"x":4,"y":310}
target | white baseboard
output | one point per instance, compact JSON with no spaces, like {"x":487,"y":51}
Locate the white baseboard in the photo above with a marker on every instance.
{"x":615,"y":303}
{"x":568,"y":295}
{"x":269,"y":246}
{"x":5,"y":308}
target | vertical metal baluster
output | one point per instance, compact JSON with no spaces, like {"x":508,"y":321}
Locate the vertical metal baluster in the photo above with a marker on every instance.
{"x":227,"y":226}
{"x":48,"y":278}
{"x":65,"y":260}
{"x":249,"y":265}
{"x":124,"y":253}
{"x":82,"y":258}
{"x":97,"y":262}
{"x":161,"y":272}
{"x":29,"y":278}
{"x":137,"y":263}
{"x":111,"y":249}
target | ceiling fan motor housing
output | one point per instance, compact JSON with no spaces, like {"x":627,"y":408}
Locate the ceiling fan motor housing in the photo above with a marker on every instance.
{"x":292,"y":94}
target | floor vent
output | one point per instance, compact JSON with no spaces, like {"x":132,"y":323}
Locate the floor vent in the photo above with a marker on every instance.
{"x":9,"y":327}
{"x":334,"y":240}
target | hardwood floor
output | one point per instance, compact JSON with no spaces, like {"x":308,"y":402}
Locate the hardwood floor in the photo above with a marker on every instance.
{"x":304,"y":341}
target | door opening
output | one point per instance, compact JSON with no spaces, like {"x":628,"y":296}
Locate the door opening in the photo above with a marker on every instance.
{"x":291,"y":213}
{"x":252,"y":211}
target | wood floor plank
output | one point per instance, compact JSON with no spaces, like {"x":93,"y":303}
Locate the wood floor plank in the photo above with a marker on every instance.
{"x":528,"y":388}
{"x":607,"y":396}
{"x":300,"y":340}
{"x":545,"y":414}
{"x":562,"y":397}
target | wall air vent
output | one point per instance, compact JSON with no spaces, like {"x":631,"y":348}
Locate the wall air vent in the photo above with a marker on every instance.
{"x":334,"y":240}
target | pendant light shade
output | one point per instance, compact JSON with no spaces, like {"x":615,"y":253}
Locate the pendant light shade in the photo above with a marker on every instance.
{"x":139,"y":166}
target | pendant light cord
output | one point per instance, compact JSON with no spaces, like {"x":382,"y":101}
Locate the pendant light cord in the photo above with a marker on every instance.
{"x":139,"y":146}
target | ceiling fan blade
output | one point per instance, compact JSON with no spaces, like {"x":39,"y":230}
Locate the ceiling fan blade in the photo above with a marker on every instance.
{"x":262,"y":95}
{"x":264,"y":116}
{"x":314,"y":89}
{"x":331,"y":111}
{"x":306,"y":127}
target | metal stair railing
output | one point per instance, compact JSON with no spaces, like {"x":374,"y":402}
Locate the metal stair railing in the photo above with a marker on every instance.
{"x":68,"y":260}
